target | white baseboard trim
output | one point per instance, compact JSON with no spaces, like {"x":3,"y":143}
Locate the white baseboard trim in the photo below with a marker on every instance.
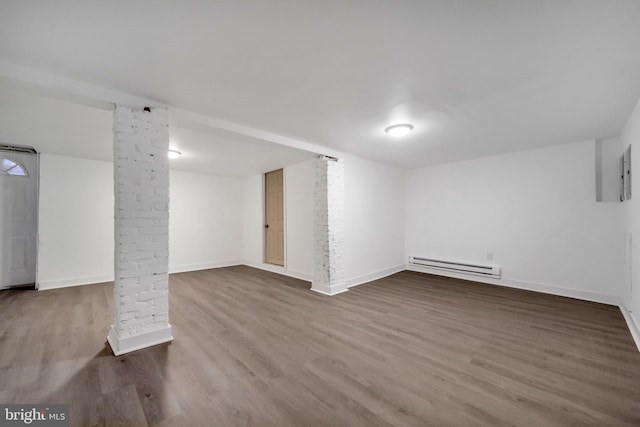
{"x":91,"y":280}
{"x":329,"y":290}
{"x":204,"y":266}
{"x":280,"y":270}
{"x":44,"y":285}
{"x":355,"y":281}
{"x":121,"y":345}
{"x":529,"y":286}
{"x":632,"y":324}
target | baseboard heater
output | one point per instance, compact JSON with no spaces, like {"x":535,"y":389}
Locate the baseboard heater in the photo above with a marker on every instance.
{"x":486,"y":270}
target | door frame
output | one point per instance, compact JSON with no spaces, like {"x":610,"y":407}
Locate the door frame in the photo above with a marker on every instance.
{"x":30,"y":150}
{"x":284,"y":217}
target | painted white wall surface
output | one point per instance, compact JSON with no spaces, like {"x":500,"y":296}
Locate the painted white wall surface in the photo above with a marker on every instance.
{"x":298,"y":199}
{"x":374,"y":220}
{"x":205,"y":221}
{"x":299,"y":182}
{"x":535,"y":211}
{"x":252,"y":216}
{"x":75,"y":221}
{"x":608,"y":167}
{"x":631,"y":135}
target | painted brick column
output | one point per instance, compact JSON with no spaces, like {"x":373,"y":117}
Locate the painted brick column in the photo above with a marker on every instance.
{"x":141,"y":175}
{"x":328,"y":218}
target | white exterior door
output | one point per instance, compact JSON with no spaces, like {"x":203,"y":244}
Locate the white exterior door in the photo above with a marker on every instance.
{"x":18,"y":218}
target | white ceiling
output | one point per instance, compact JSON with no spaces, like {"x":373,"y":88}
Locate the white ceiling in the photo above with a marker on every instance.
{"x":475,"y":77}
{"x":225,"y":153}
{"x":60,"y":127}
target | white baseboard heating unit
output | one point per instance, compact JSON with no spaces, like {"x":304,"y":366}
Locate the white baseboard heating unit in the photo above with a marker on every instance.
{"x":486,"y":270}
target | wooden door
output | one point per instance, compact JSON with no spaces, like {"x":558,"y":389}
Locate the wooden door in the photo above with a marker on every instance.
{"x":274,"y":217}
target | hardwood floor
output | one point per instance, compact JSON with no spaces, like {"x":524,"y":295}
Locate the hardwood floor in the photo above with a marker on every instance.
{"x":255,"y":348}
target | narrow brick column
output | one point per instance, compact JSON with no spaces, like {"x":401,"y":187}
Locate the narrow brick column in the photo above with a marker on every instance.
{"x":328,"y":217}
{"x":141,"y":174}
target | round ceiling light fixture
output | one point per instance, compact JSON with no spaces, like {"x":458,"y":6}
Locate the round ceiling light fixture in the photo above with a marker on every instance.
{"x":174,"y":154}
{"x":399,"y":129}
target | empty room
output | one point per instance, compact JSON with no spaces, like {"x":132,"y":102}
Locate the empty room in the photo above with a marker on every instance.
{"x":319,"y":213}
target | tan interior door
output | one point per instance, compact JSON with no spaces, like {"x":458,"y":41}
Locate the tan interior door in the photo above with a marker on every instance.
{"x":274,"y":217}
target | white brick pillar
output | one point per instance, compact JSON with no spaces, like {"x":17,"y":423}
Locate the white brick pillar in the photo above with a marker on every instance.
{"x":141,"y":174}
{"x":328,"y":218}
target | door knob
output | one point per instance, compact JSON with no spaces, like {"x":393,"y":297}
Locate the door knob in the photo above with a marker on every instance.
{"x":266,"y":226}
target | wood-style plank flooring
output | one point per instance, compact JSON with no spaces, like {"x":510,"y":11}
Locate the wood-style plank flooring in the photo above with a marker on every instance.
{"x":253,"y":348}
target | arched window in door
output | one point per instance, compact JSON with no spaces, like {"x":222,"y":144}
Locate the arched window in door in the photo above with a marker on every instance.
{"x":9,"y":167}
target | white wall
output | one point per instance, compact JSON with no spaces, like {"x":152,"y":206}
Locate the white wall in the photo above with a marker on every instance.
{"x":253,"y":223}
{"x":631,"y":135}
{"x":75,"y":221}
{"x":534,"y":210}
{"x":374,"y":220}
{"x":299,"y":182}
{"x":205,"y":221}
{"x":530,"y":209}
{"x":298,"y":199}
{"x":608,"y":184}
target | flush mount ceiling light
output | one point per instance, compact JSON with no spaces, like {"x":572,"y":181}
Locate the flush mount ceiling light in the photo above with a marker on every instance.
{"x":174,"y":154}
{"x":399,"y":129}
